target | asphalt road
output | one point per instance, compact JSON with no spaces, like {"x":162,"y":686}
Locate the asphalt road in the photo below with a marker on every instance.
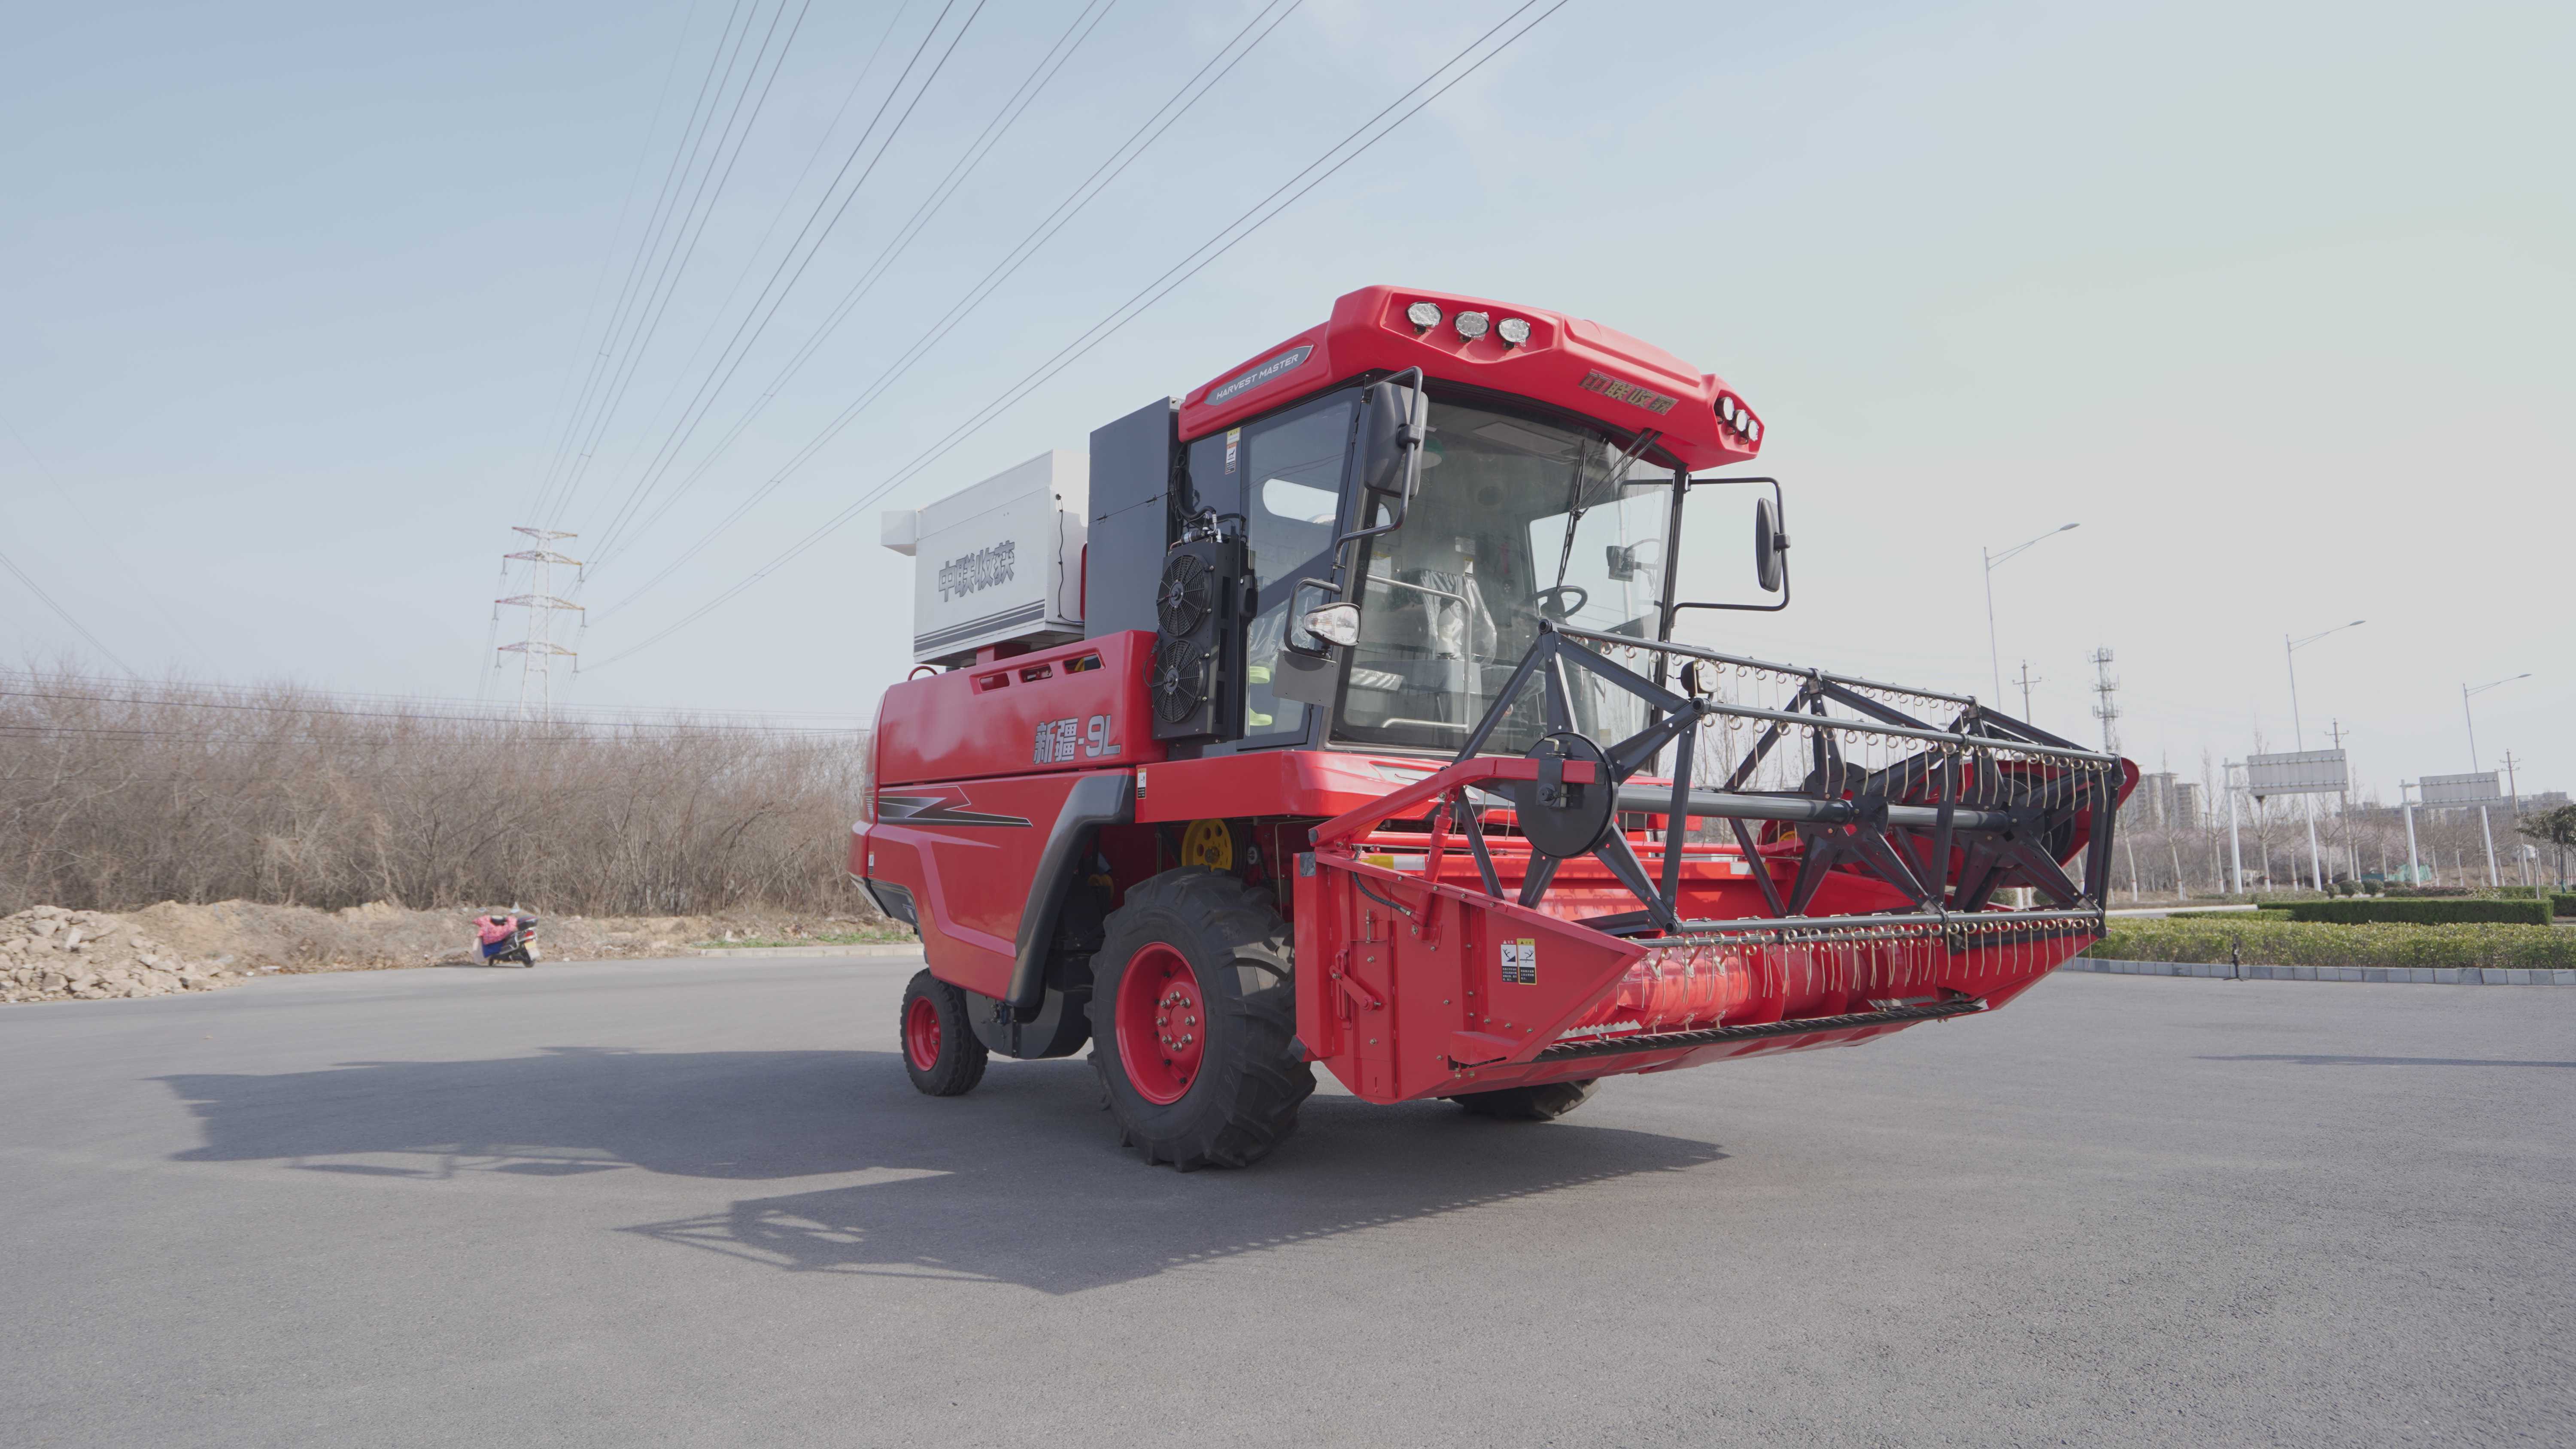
{"x":696,"y":1203}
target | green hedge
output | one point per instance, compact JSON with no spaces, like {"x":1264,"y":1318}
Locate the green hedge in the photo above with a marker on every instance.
{"x":2563,"y":907}
{"x":2302,"y":943}
{"x":2423,"y":912}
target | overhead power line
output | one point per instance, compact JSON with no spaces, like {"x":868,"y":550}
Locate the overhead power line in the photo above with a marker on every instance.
{"x":787,"y":201}
{"x":708,"y":191}
{"x":105,"y":541}
{"x":1114,"y":165}
{"x":1377,"y":128}
{"x":416,"y":716}
{"x":64,"y":614}
{"x":781,"y":281}
{"x":1013,"y":107}
{"x":634,"y":184}
{"x":647,"y":242}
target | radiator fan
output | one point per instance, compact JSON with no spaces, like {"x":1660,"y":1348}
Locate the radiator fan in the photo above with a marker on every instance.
{"x":1180,"y":680}
{"x":1187,"y":594}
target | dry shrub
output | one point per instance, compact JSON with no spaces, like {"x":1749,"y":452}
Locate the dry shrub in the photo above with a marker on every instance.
{"x":114,"y":796}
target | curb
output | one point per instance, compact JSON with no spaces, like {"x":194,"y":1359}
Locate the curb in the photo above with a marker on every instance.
{"x":890,"y":948}
{"x":2392,"y":975}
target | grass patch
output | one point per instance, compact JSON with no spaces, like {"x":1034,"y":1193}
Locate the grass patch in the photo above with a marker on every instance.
{"x":2424,"y":912}
{"x":2272,"y":942}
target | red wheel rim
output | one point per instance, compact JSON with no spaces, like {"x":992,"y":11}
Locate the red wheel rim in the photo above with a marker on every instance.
{"x":921,"y":1033}
{"x":1162,"y":1024}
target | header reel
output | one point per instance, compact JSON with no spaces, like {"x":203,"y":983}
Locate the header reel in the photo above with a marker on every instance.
{"x":1960,"y":815}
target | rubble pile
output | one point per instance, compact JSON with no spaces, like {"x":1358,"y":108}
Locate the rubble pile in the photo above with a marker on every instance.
{"x":51,"y":954}
{"x":48,"y":953}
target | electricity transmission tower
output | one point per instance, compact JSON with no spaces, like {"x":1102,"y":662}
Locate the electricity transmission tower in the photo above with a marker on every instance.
{"x":538,"y":652}
{"x":2108,"y":711}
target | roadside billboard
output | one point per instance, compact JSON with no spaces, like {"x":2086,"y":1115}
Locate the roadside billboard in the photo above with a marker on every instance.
{"x":2300,"y":772}
{"x":2462,"y":789}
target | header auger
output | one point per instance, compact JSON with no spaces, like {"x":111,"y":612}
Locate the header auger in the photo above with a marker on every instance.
{"x":1332,"y":714}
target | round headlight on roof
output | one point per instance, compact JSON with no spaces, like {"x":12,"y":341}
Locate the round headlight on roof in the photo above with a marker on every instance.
{"x":1752,"y":429}
{"x":1423,"y":315}
{"x":1513,"y":330}
{"x":1471,"y":325}
{"x":1726,"y":410}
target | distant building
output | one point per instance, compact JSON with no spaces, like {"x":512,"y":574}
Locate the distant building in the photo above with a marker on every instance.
{"x":2164,"y":801}
{"x":2188,"y":811}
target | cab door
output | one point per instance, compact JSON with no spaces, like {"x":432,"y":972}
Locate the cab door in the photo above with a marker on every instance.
{"x":1285,"y":476}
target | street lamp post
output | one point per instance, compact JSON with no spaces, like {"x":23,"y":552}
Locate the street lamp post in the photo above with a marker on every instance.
{"x":2235,"y":849}
{"x":2466,"y":694}
{"x":2290,"y":651}
{"x":2414,"y":872}
{"x":1993,"y":561}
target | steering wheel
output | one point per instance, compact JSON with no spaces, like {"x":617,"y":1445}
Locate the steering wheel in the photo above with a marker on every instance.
{"x":1561,"y":610}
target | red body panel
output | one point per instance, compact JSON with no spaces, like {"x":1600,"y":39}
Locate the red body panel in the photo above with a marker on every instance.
{"x":985,"y":720}
{"x":966,"y":849}
{"x":1568,"y":362}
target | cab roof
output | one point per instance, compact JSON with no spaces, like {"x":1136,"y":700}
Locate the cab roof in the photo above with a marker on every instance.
{"x":1567,"y":362}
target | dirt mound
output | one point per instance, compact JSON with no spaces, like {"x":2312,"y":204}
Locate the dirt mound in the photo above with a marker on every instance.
{"x":48,"y":953}
{"x":171,"y":946}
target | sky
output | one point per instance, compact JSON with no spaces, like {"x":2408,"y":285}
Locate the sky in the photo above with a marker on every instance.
{"x":298,"y":302}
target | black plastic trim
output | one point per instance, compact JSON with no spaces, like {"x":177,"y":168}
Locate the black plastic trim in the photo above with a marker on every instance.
{"x":892,"y":899}
{"x":1106,"y":798}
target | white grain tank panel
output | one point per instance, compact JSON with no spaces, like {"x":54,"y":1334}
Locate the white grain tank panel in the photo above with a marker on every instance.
{"x":1001,"y":560}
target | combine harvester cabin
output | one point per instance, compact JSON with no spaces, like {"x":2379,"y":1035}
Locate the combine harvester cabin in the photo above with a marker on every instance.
{"x":1332,"y":715}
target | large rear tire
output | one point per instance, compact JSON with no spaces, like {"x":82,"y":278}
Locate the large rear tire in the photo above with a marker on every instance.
{"x":1544,"y":1102}
{"x":1192,"y":1013}
{"x":940,"y":1051}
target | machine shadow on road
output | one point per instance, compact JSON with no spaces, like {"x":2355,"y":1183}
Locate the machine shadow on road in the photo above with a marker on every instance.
{"x":2305,"y":1060}
{"x":1022,"y":1182}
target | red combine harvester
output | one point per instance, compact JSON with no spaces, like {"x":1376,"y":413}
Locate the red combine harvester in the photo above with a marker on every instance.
{"x":1332,"y":714}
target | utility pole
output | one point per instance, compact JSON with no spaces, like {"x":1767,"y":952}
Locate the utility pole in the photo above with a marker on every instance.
{"x":2026,"y":681}
{"x":2298,"y":737}
{"x":1994,"y":561}
{"x":538,"y":651}
{"x":2108,"y":711}
{"x":2467,"y":694}
{"x":2513,"y":813}
{"x":2343,"y":802}
{"x":2235,"y":846}
{"x":2414,"y":872}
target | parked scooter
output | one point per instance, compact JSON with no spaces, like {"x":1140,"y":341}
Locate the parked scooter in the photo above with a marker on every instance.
{"x":508,"y":937}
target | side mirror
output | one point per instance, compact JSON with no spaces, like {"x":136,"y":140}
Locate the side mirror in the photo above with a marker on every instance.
{"x":1392,"y":429}
{"x":1769,"y":543}
{"x":1334,"y":624}
{"x":1305,"y":669}
{"x":1381,"y":454}
{"x":1714,"y":512}
{"x":1318,"y":622}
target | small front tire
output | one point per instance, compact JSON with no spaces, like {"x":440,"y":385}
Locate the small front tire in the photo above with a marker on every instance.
{"x":940,"y":1050}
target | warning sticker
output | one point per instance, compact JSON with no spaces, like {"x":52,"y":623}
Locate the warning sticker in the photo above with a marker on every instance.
{"x":1520,"y":962}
